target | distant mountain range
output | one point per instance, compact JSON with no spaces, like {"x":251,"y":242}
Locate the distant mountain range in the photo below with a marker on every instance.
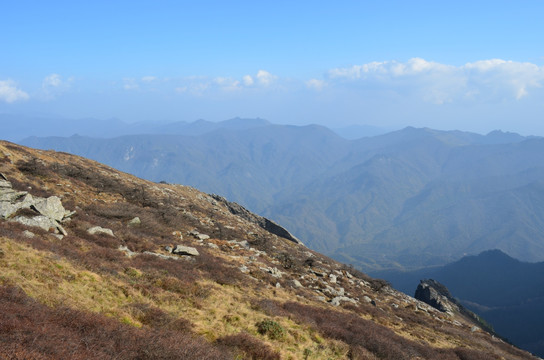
{"x":507,"y":293}
{"x":407,"y":199}
{"x":18,"y":127}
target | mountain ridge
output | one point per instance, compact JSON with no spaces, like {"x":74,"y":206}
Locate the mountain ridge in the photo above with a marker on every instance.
{"x":352,"y":199}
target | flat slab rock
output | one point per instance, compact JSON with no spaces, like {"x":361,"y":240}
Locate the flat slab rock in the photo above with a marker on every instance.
{"x":185,"y":250}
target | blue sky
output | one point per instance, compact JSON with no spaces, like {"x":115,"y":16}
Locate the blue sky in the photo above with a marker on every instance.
{"x":475,"y":65}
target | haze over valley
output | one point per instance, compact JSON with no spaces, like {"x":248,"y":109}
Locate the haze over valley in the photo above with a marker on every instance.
{"x":407,"y":199}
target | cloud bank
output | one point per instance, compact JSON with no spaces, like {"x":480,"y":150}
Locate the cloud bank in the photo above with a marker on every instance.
{"x":485,"y":80}
{"x":10,"y":93}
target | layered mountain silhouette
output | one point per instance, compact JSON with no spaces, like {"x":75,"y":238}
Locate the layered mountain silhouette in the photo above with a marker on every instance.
{"x":407,"y":199}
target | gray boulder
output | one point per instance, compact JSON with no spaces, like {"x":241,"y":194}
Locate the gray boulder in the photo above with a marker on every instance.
{"x":185,"y":250}
{"x":38,"y":221}
{"x":50,"y":207}
{"x":11,"y":195}
{"x":8,"y":208}
{"x":336,"y":301}
{"x":97,"y":230}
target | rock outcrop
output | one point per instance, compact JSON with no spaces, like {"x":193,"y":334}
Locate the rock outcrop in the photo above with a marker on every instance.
{"x":263,"y":222}
{"x":437,"y":295}
{"x":49,"y":211}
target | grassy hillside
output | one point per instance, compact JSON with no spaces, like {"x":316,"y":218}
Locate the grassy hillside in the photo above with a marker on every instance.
{"x":67,"y":291}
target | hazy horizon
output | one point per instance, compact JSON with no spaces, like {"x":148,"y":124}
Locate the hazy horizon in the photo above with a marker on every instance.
{"x":470,"y":66}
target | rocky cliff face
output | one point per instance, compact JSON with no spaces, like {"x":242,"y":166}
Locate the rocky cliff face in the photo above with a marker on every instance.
{"x":159,"y":271}
{"x":438,"y":296}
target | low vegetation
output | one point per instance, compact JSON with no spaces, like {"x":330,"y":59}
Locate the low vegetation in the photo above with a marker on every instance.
{"x":247,"y":295}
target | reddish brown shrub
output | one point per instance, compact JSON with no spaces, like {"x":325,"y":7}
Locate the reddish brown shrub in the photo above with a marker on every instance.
{"x":249,"y":346}
{"x":217,"y":269}
{"x":362,"y":335}
{"x":29,"y":330}
{"x":157,"y":318}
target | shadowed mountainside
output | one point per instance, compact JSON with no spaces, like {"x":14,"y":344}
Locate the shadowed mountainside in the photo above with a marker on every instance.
{"x":508,"y":293}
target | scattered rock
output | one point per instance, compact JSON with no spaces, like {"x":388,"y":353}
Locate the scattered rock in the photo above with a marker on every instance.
{"x":28,"y":234}
{"x":185,"y":250}
{"x":202,"y":237}
{"x":273,"y":271}
{"x":296,"y":283}
{"x":213,"y":246}
{"x":336,"y":301}
{"x":244,"y":269}
{"x":162,"y":256}
{"x":127,"y":251}
{"x":367,"y":299}
{"x":98,"y":230}
{"x":332,"y":278}
{"x":263,"y":222}
{"x":278,"y":285}
{"x":50,"y":209}
{"x":134,"y":222}
{"x":328,"y":290}
{"x":168,"y":248}
{"x":40,"y":221}
{"x":319,"y":272}
{"x":178,"y":234}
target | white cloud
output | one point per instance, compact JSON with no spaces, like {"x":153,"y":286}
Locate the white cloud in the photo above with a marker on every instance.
{"x":10,"y":93}
{"x":227,"y":83}
{"x":519,"y":77}
{"x":53,"y":85}
{"x":130,"y":84}
{"x":315,"y":84}
{"x":248,"y":80}
{"x":265,"y":78}
{"x":53,"y":80}
{"x":489,"y":80}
